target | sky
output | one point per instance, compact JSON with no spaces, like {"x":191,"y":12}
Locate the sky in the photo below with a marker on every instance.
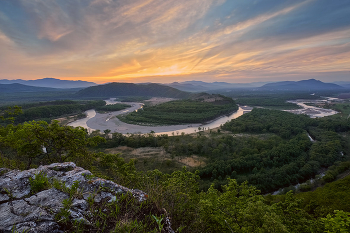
{"x":175,"y":40}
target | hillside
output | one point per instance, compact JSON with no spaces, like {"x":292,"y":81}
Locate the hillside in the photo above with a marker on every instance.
{"x":269,"y":149}
{"x":303,"y":85}
{"x":131,"y":89}
{"x":198,"y":86}
{"x":16,"y":87}
{"x":50,"y":82}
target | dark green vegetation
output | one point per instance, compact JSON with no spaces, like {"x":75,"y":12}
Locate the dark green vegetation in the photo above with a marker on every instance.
{"x":272,"y":149}
{"x":343,"y":108}
{"x":112,"y":107}
{"x":268,"y":148}
{"x":196,"y":110}
{"x":333,"y":196}
{"x":131,"y":89}
{"x":39,"y":142}
{"x":132,"y":98}
{"x":31,"y":97}
{"x":267,"y":102}
{"x":53,"y":109}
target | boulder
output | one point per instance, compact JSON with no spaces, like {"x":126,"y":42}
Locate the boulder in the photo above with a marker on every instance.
{"x":23,"y":211}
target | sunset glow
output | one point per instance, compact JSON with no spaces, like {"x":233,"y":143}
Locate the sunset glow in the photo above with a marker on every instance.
{"x":165,"y":41}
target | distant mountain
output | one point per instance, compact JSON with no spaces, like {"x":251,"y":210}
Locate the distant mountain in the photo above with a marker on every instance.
{"x":131,"y":89}
{"x":343,"y":84}
{"x":199,"y":86}
{"x":16,"y":87}
{"x":303,"y":85}
{"x":50,"y":82}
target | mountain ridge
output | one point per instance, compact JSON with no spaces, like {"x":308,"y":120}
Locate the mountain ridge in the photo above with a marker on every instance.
{"x":50,"y":83}
{"x":132,"y":89}
{"x":305,"y":85}
{"x":17,"y":87}
{"x":199,"y":86}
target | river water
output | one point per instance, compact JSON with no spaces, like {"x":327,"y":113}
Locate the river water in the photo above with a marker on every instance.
{"x":83,"y":122}
{"x":311,"y":111}
{"x":97,"y":121}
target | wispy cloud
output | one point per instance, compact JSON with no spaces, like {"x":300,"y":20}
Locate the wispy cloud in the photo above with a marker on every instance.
{"x":134,"y":40}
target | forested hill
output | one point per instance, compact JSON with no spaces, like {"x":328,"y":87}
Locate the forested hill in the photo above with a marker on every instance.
{"x":303,"y":85}
{"x":16,"y":87}
{"x":131,"y":89}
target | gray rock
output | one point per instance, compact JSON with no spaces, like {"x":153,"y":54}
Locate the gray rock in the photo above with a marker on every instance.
{"x":103,"y":195}
{"x":36,"y":213}
{"x":80,"y":204}
{"x":48,"y":199}
{"x":4,"y":197}
{"x":16,"y":182}
{"x":19,"y":211}
{"x":40,"y":227}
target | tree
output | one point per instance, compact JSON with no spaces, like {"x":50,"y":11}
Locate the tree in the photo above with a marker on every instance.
{"x":10,"y":113}
{"x":55,"y":143}
{"x":338,"y":223}
{"x":239,"y":208}
{"x":106,"y":131}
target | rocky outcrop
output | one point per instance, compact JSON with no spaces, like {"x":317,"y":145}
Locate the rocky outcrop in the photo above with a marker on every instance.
{"x":22,"y":211}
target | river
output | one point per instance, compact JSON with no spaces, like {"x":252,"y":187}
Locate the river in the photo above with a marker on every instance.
{"x":311,"y":111}
{"x":98,"y":121}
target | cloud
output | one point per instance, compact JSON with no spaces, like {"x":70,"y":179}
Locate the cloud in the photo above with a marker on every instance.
{"x":137,"y":39}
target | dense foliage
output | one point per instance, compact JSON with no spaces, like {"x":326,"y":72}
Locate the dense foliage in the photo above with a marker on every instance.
{"x":47,"y":143}
{"x":113,"y":107}
{"x":53,"y":109}
{"x":19,"y":98}
{"x":259,"y":120}
{"x":181,"y":112}
{"x":273,"y":149}
{"x":267,"y":102}
{"x":273,"y":152}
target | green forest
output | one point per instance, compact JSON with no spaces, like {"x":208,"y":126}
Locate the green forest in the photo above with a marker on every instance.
{"x":112,"y":107}
{"x":268,"y":148}
{"x":257,"y":153}
{"x":181,"y":112}
{"x":50,"y":110}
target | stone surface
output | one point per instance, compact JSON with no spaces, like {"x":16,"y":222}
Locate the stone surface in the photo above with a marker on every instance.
{"x":48,"y":199}
{"x":24,"y":212}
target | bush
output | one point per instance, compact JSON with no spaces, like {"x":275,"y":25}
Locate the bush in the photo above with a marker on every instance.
{"x":39,"y":183}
